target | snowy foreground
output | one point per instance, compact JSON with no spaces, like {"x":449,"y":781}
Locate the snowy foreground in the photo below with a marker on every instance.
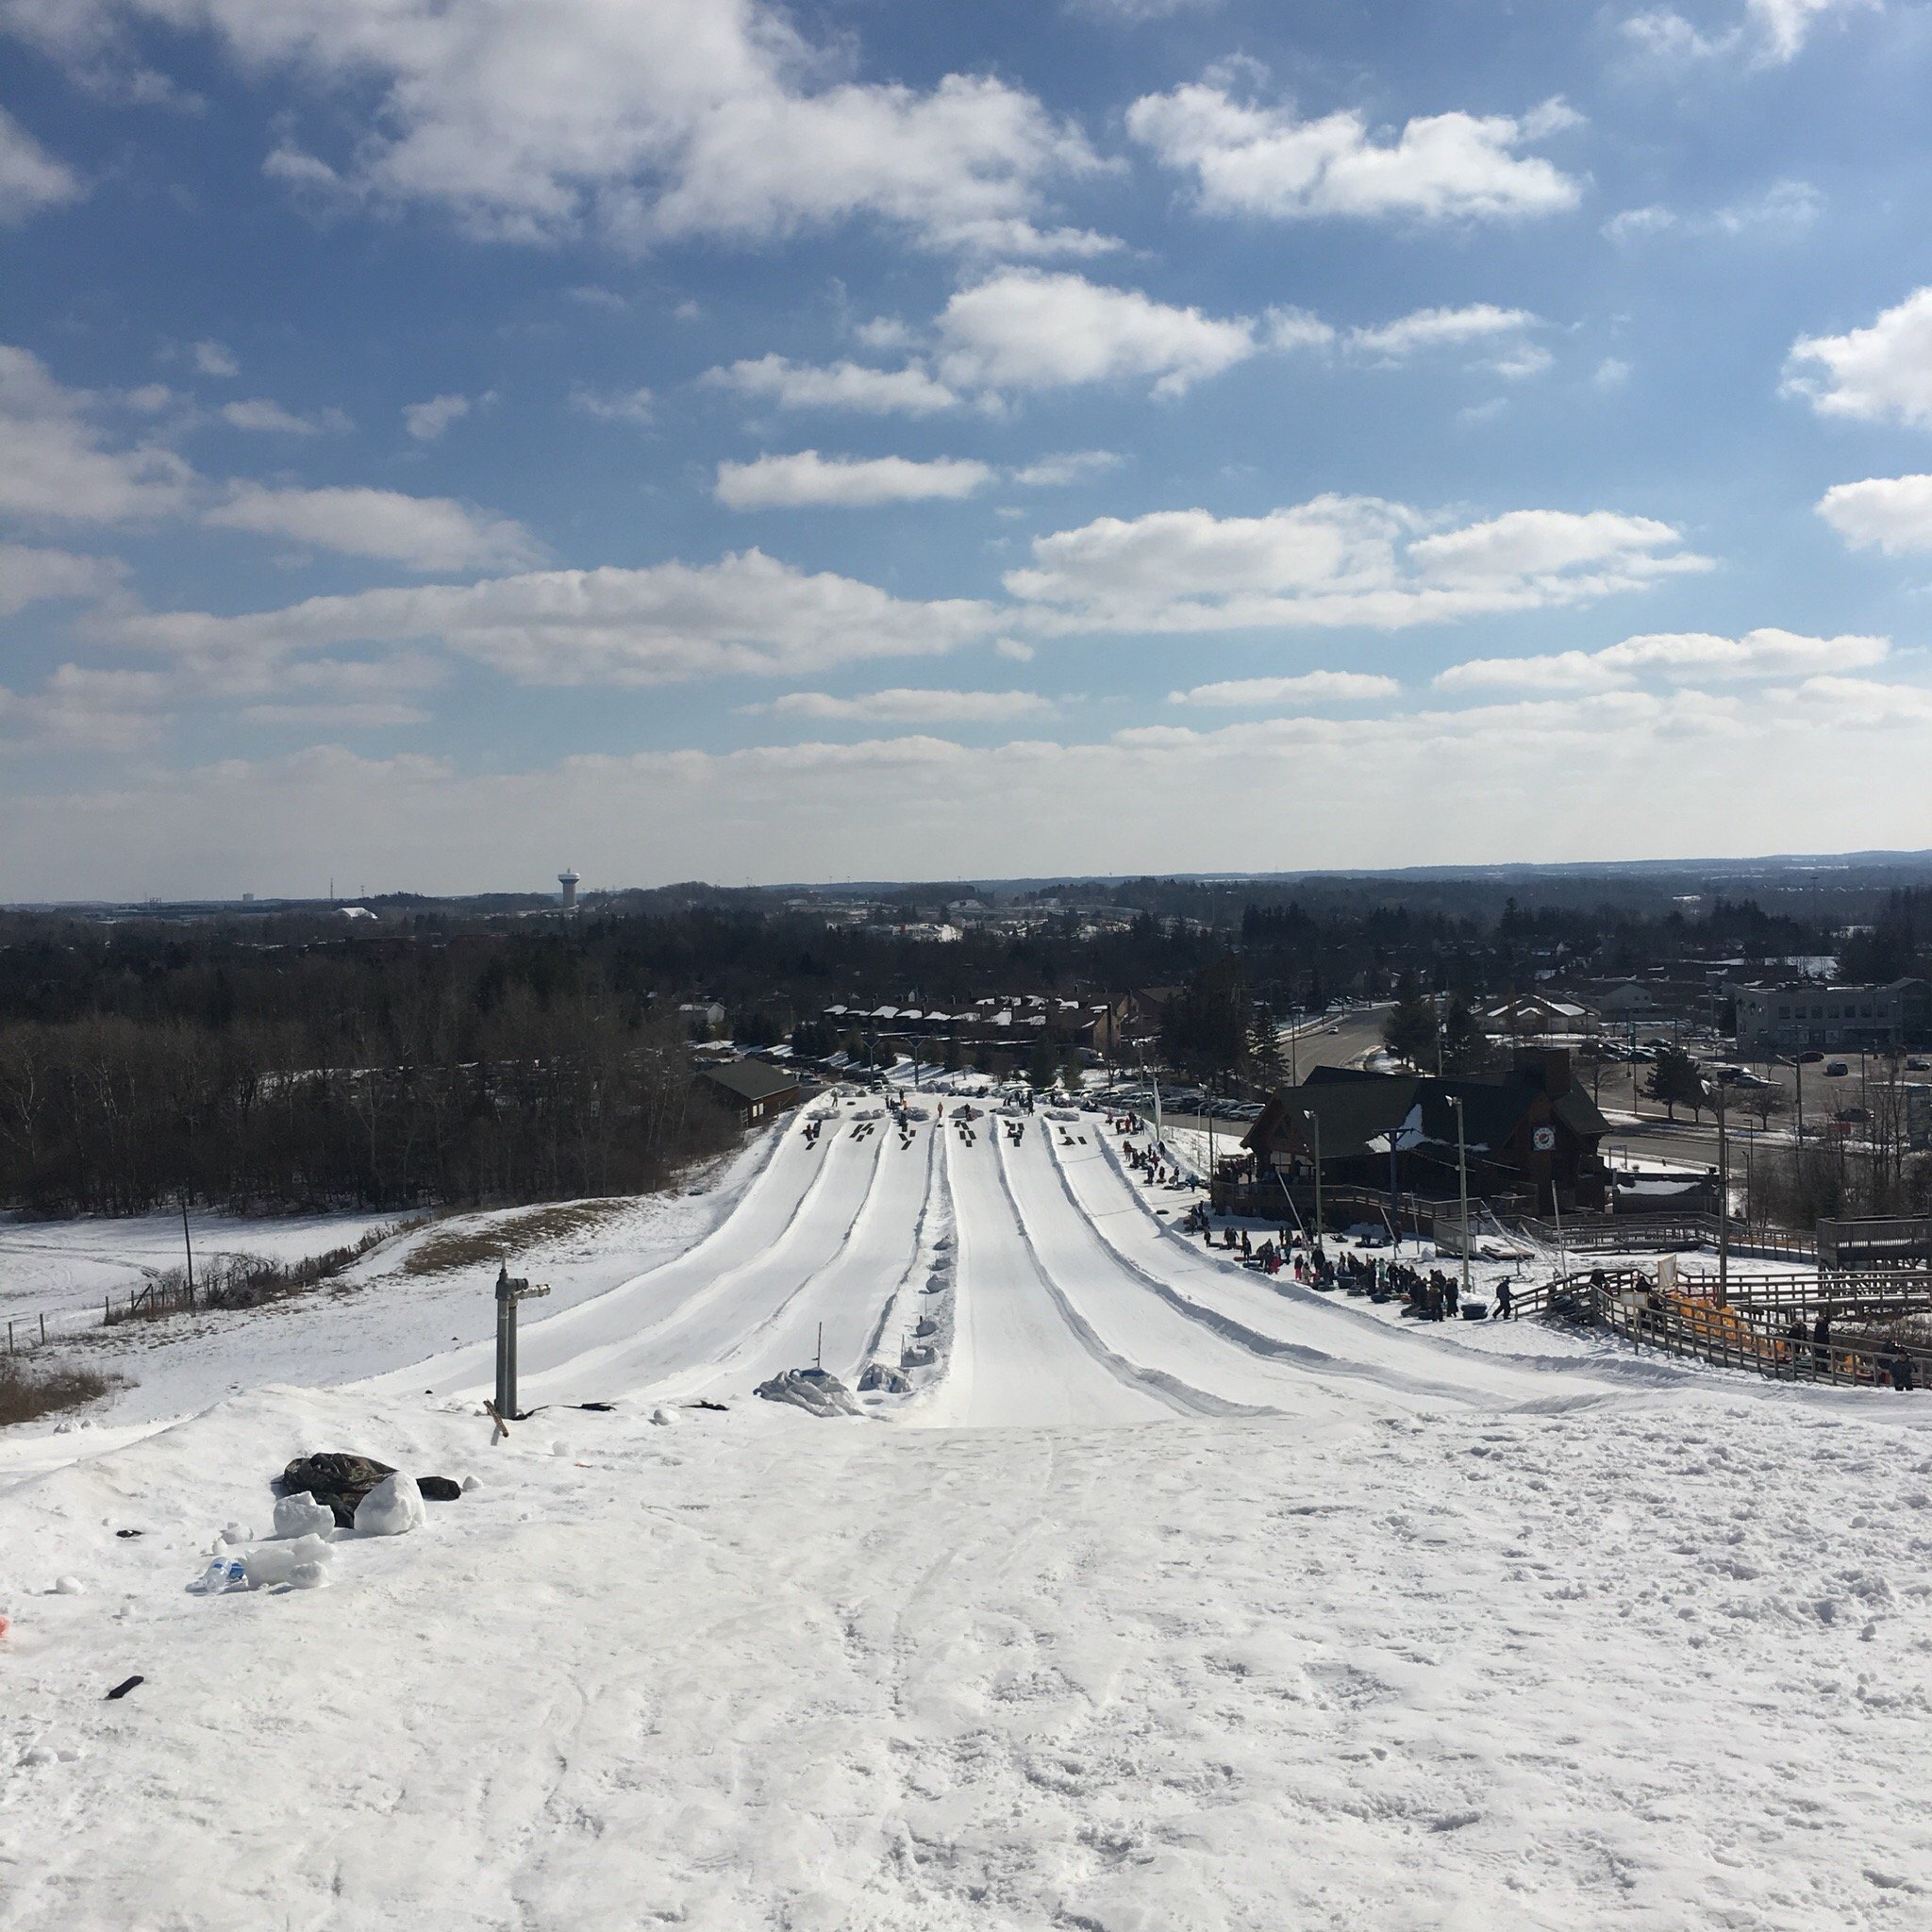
{"x":1163,"y":1597}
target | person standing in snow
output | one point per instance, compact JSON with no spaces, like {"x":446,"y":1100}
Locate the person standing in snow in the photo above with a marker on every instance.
{"x":1506,"y":1301}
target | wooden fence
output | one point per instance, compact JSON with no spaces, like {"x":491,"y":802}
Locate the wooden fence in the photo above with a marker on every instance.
{"x":1760,"y":1326}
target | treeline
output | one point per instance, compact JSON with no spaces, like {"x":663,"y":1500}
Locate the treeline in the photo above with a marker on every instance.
{"x":443,"y":1076}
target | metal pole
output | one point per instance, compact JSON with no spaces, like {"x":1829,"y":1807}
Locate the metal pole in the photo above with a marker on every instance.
{"x":1724,"y":1204}
{"x":506,"y":1345}
{"x":188,"y":1242}
{"x":1314,"y":1120}
{"x":1462,"y":1186}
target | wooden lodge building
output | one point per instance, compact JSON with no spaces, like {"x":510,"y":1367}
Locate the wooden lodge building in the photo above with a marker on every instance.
{"x":1531,"y":1136}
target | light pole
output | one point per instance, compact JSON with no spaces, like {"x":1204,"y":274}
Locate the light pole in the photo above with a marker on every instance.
{"x":1314,"y":1120}
{"x":1724,"y":1204}
{"x":1462,"y":1186}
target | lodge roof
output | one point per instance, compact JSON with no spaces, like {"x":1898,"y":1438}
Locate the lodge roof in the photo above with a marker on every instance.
{"x":752,"y":1079}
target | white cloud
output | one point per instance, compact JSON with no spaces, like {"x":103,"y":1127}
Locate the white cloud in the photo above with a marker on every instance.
{"x":149,"y":398}
{"x":81,"y":706}
{"x":213,"y":358}
{"x":1133,"y":12}
{"x":634,"y":405}
{"x":31,"y":180}
{"x":747,"y":614}
{"x":83,"y":709}
{"x":31,"y":576}
{"x":54,"y":464}
{"x":883,"y":332}
{"x":1890,"y":513}
{"x":423,"y":532}
{"x":1306,"y":688}
{"x":360,"y":715}
{"x":1297,"y":328}
{"x":1268,"y":162}
{"x":1334,"y":561}
{"x":807,"y":479}
{"x":1072,"y":466}
{"x":1676,"y":656}
{"x":902,"y":705}
{"x":1882,"y":373}
{"x":1024,"y":329}
{"x":1784,"y":212}
{"x":1578,"y":778}
{"x":1429,"y":328}
{"x":1521,"y":362}
{"x":261,"y":416}
{"x":1861,"y":704}
{"x":908,"y":392}
{"x":1786,"y":25}
{"x":653,"y":122}
{"x":426,"y":421}
{"x":1770,"y":33}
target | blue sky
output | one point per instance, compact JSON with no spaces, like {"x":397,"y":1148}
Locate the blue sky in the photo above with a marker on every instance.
{"x":441,"y":440}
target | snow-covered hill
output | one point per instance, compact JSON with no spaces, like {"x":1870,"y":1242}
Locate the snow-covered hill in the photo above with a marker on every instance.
{"x":1168,"y":1597}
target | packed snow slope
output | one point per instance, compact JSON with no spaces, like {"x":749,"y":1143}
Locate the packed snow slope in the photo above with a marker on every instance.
{"x":1165,"y":1597}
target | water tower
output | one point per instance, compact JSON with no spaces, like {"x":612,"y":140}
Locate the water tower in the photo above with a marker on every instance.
{"x":568,"y":881}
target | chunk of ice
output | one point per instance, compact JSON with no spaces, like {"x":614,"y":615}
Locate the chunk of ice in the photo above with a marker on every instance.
{"x":394,"y":1506}
{"x":302,"y":1515}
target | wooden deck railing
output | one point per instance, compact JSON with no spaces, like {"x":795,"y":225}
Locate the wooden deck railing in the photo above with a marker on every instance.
{"x":1764,"y":1332}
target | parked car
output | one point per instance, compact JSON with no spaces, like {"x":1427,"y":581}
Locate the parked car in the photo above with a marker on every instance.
{"x":1915,"y":1065}
{"x":1810,"y":1058}
{"x":1836,"y":1069}
{"x":1853,"y":1115}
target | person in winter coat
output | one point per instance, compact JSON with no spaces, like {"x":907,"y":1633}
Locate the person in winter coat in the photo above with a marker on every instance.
{"x":1506,"y":1301}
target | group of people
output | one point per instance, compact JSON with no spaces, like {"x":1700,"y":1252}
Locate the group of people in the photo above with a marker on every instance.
{"x":1151,"y":1168}
{"x":1893,"y":1364}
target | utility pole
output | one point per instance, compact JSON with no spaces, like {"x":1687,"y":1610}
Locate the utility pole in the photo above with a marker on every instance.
{"x":1462,"y":1186}
{"x":1724,"y":1204}
{"x":1314,"y":1120}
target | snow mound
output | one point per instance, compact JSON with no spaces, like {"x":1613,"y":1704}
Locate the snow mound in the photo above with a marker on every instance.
{"x":302,"y":1515}
{"x":816,"y":1390}
{"x":300,"y":1561}
{"x":394,"y":1506}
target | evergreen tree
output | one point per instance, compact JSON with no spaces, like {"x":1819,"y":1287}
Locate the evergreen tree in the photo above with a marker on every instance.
{"x":1043,"y":1064}
{"x":1410,"y":1032}
{"x":1675,"y":1079}
{"x":1264,"y":1048}
{"x":1465,"y":1047}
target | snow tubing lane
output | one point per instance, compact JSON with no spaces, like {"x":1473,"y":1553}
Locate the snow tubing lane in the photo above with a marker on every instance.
{"x":1299,"y":1355}
{"x":695,"y":1303}
{"x":1178,"y":1396}
{"x":867,"y":1207}
{"x":561,"y":1325}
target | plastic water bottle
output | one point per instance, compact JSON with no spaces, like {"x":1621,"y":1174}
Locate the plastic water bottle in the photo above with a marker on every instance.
{"x":225,"y":1573}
